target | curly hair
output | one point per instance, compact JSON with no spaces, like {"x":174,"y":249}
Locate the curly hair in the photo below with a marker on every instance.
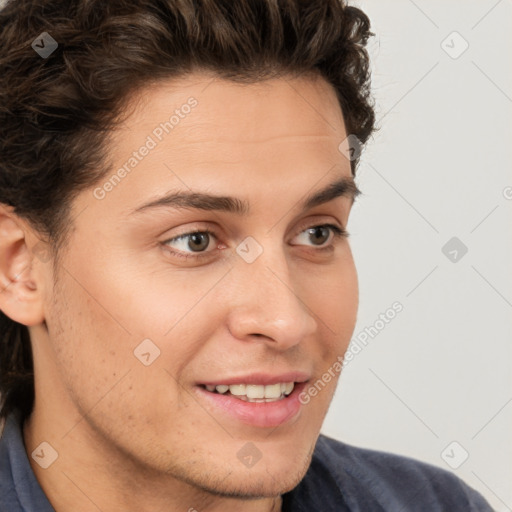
{"x":56,"y":112}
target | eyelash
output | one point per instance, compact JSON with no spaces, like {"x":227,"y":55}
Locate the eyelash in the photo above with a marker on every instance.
{"x":339,"y":233}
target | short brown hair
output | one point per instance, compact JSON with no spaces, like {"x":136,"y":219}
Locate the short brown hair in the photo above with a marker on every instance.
{"x":56,"y":111}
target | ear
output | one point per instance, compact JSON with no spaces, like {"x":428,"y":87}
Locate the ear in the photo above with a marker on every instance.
{"x":20,"y":283}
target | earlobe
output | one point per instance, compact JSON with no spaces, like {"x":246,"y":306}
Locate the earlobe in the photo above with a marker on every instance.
{"x":20,"y":292}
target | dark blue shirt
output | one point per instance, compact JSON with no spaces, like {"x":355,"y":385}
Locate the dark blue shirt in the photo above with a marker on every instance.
{"x":340,"y":478}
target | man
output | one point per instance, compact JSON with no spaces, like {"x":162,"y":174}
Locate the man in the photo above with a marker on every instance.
{"x":176,"y":183}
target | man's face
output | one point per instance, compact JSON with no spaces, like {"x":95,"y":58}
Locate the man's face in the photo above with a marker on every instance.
{"x":263,"y":299}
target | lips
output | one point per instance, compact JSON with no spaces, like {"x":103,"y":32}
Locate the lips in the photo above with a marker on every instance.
{"x":260,"y":379}
{"x":260,"y":400}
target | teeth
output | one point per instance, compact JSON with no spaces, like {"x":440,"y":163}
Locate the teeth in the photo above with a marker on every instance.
{"x":272,"y":391}
{"x":255,"y":392}
{"x":289,"y":388}
{"x":238,"y":389}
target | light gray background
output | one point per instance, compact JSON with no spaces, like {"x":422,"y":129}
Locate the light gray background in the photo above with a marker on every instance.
{"x":441,"y":370}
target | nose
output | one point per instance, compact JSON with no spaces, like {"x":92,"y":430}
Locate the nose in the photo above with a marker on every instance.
{"x":265,"y":305}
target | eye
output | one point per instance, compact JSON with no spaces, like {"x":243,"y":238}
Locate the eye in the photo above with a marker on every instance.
{"x":195,"y":243}
{"x":320,"y":234}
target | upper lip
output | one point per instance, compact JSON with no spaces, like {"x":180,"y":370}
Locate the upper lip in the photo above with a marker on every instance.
{"x":260,"y":378}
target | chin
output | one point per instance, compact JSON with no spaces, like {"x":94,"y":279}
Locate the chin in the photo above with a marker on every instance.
{"x":252,"y":486}
{"x":264,"y":480}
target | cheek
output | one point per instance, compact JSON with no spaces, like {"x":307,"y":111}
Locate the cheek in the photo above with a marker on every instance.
{"x":336,"y":303}
{"x":106,"y":322}
{"x":98,"y":369}
{"x":90,"y":347}
{"x":336,"y":311}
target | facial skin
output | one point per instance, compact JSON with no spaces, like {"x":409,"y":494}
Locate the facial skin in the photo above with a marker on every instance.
{"x":133,"y":437}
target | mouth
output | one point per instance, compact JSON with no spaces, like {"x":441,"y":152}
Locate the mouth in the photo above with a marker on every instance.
{"x":254,"y":393}
{"x":256,"y":400}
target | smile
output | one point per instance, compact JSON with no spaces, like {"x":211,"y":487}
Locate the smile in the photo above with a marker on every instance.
{"x":265,"y":405}
{"x":254,"y":392}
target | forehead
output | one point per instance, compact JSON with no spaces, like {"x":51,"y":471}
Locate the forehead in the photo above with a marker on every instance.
{"x":227,"y":112}
{"x":211,"y":135}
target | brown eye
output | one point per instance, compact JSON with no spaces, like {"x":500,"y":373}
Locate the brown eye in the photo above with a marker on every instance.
{"x":319,"y":235}
{"x":198,"y":241}
{"x":187,"y":244}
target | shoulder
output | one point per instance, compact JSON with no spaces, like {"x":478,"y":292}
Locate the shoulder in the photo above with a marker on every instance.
{"x":366,"y":479}
{"x":7,"y":492}
{"x":19,"y":489}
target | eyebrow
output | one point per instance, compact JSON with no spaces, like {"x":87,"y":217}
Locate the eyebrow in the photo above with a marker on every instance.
{"x":343,"y":187}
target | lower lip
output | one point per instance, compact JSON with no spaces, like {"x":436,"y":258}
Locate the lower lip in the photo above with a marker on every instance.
{"x":258,"y":414}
